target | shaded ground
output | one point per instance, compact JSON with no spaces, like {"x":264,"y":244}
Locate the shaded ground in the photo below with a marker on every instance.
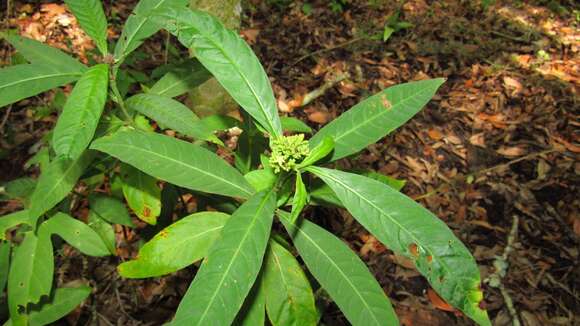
{"x":499,"y":141}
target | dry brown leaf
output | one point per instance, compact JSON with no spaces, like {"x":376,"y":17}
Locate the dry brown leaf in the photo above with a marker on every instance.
{"x":511,"y":151}
{"x":435,"y":134}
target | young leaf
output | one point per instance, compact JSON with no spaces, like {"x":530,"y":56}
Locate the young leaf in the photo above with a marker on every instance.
{"x":30,"y":275}
{"x":11,"y":220}
{"x":410,"y":230}
{"x":226,"y":276}
{"x":110,"y":209}
{"x":296,"y":125}
{"x":319,"y":152}
{"x":55,"y":183}
{"x":104,"y":230}
{"x":75,"y":233}
{"x":377,"y":116}
{"x":181,"y":163}
{"x":170,"y":114}
{"x":261,"y":179}
{"x":181,"y":79}
{"x":289,"y":297}
{"x":92,"y":19}
{"x":142,"y":194}
{"x":22,"y":81}
{"x":140,"y":26}
{"x":61,"y":304}
{"x":177,"y":246}
{"x":4,"y":263}
{"x":78,"y":121}
{"x":300,"y":197}
{"x":341,"y":273}
{"x":39,"y":53}
{"x":232,"y":62}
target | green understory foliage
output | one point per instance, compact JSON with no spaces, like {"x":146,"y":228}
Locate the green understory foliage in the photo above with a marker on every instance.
{"x":249,"y":272}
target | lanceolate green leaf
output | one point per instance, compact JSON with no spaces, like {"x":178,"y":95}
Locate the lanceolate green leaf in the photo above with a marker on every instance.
{"x":12,"y":220}
{"x":22,"y":81}
{"x":170,"y":113}
{"x":61,"y":304}
{"x":341,"y":273}
{"x":377,"y":116}
{"x":289,"y":297}
{"x":92,"y":19}
{"x":56,"y":182}
{"x":39,"y":53}
{"x":296,"y":125}
{"x":30,"y":275}
{"x":177,"y":246}
{"x":142,"y":193}
{"x":181,"y":79}
{"x":410,"y":230}
{"x":226,"y":276}
{"x":319,"y":152}
{"x":300,"y":197}
{"x":75,"y":233}
{"x":181,"y":163}
{"x":139,"y":25}
{"x":230,"y":60}
{"x":81,"y":114}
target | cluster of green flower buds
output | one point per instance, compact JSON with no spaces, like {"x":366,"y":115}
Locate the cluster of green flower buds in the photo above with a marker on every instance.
{"x":288,"y":152}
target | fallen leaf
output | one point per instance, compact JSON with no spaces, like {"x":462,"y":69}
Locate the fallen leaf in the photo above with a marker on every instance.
{"x":437,"y":302}
{"x":511,"y":151}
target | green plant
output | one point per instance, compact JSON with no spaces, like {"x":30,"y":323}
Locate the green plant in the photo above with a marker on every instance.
{"x":249,"y":267}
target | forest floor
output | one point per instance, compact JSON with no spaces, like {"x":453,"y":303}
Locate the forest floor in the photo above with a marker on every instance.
{"x":496,"y":148}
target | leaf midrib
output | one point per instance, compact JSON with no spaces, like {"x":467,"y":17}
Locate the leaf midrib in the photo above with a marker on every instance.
{"x":340,"y":271}
{"x":395,"y":106}
{"x":416,"y":240}
{"x":20,"y":81}
{"x":244,"y":78}
{"x":248,"y":231}
{"x":136,"y":149}
{"x":82,"y":116}
{"x":139,"y":26}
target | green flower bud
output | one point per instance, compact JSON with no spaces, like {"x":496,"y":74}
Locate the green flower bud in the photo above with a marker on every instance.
{"x":288,"y":152}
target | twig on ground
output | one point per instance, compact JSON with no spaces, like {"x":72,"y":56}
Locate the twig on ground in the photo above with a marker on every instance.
{"x":501,"y":266}
{"x":332,"y":48}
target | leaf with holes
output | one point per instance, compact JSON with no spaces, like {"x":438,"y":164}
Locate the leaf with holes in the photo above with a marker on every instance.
{"x":30,"y":275}
{"x":412,"y":231}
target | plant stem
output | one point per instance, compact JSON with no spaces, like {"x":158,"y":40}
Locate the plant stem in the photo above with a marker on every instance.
{"x":117,"y":98}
